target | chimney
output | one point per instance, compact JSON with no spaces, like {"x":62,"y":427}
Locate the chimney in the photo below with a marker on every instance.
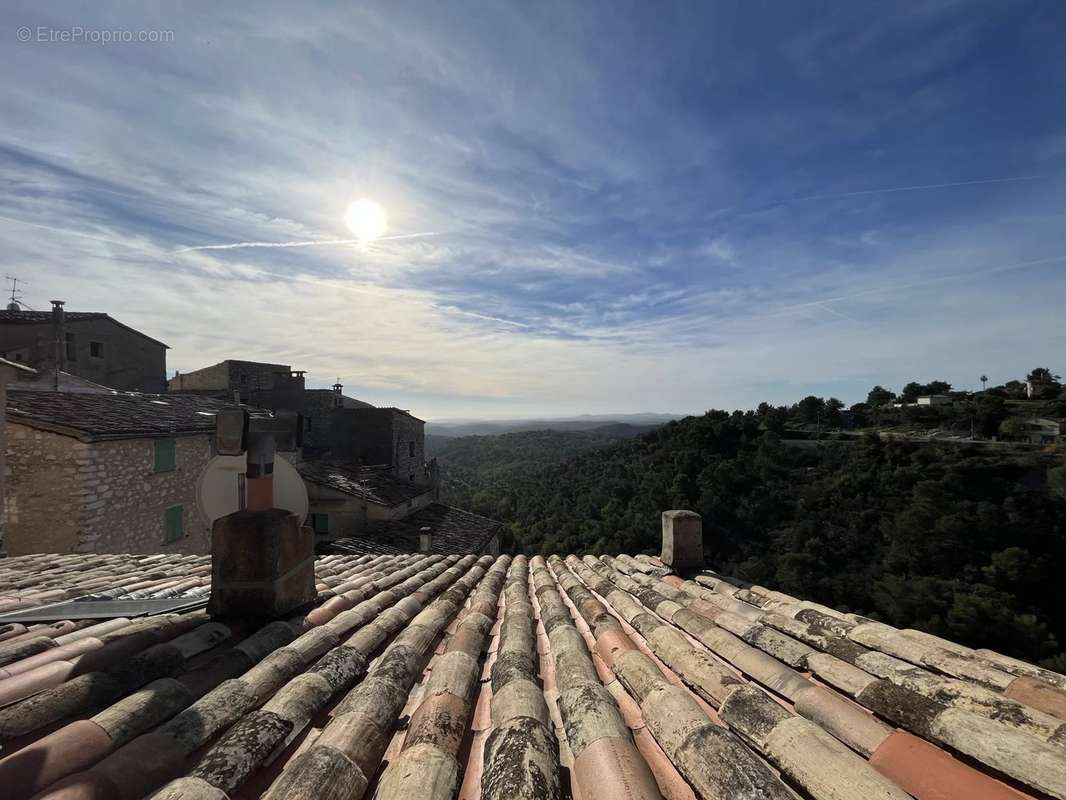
{"x":425,"y":540}
{"x":59,"y":330}
{"x":338,"y":397}
{"x":682,"y":541}
{"x":262,"y":557}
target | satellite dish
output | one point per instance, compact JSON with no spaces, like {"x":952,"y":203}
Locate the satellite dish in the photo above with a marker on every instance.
{"x":218,"y":487}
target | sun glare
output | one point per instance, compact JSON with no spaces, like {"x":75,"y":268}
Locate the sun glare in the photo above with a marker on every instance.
{"x":366,"y":219}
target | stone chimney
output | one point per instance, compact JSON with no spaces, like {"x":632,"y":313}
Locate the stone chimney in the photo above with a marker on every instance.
{"x":682,"y":541}
{"x":59,"y":319}
{"x":262,"y":557}
{"x":425,"y":540}
{"x":338,"y":394}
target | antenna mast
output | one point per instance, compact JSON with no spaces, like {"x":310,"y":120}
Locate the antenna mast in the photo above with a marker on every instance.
{"x":15,"y":303}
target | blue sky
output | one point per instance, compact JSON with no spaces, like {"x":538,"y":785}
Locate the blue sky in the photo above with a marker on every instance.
{"x":629,"y":206}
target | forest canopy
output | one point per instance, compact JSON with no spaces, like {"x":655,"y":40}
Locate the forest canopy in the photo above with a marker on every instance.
{"x":962,"y":541}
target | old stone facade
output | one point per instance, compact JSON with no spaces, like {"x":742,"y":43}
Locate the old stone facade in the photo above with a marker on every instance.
{"x":224,"y":378}
{"x":335,"y":514}
{"x":64,"y":495}
{"x":93,"y":346}
{"x":382,"y":436}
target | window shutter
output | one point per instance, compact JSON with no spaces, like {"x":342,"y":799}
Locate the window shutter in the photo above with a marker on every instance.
{"x":174,"y":523}
{"x":165,"y":455}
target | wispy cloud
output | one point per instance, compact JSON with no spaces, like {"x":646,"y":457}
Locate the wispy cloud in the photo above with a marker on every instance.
{"x":310,"y":243}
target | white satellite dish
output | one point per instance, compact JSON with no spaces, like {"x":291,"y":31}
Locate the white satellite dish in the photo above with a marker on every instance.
{"x":218,"y":487}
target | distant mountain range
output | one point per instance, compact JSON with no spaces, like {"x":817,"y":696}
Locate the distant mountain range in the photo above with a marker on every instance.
{"x":583,"y":422}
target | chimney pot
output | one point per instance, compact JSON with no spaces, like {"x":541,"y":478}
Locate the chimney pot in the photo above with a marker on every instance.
{"x":682,"y":541}
{"x":425,"y":540}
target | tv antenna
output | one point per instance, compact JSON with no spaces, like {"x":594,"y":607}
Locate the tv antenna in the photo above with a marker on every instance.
{"x":15,"y":303}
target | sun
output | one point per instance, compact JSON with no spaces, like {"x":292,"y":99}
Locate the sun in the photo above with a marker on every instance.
{"x":366,"y":219}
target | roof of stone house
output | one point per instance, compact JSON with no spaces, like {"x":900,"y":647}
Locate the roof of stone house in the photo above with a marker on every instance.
{"x":327,"y":395}
{"x":367,"y":483}
{"x":18,"y":365}
{"x":453,"y":531}
{"x":445,"y":676}
{"x":45,"y":381}
{"x":113,"y":415}
{"x":39,"y":317}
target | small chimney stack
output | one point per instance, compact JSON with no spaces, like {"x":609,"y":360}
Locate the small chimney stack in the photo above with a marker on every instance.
{"x":338,"y":397}
{"x":59,"y":319}
{"x":682,"y":541}
{"x":425,"y":540}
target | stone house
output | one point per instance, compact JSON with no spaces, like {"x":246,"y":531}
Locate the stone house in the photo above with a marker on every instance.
{"x":90,"y":345}
{"x":10,"y":372}
{"x":347,"y":500}
{"x":391,"y":438}
{"x":1039,"y":430}
{"x":277,"y":387}
{"x":106,"y":473}
{"x":317,"y":411}
{"x":226,"y":377}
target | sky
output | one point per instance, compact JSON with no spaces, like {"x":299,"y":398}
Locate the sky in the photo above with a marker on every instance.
{"x":595,"y":207}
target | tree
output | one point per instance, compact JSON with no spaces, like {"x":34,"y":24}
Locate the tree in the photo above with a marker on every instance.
{"x":879,"y":396}
{"x":1012,"y":427}
{"x":810,"y":408}
{"x":1042,"y":375}
{"x":832,"y":411}
{"x":911,"y":391}
{"x":936,"y":387}
{"x":984,"y":382}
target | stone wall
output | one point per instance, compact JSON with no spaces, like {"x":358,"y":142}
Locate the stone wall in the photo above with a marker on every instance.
{"x":213,"y":378}
{"x":125,"y":501}
{"x":130,"y":361}
{"x":348,"y":516}
{"x":64,"y":495}
{"x":42,"y":510}
{"x":406,"y":430}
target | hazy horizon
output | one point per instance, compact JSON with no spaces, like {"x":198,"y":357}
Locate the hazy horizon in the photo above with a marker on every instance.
{"x":539,"y":210}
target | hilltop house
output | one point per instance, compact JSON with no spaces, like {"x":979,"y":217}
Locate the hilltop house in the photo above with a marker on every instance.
{"x":90,"y":345}
{"x":106,"y":473}
{"x":1039,"y":430}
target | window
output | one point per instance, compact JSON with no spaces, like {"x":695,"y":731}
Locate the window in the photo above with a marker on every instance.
{"x":320,"y":523}
{"x":96,"y":349}
{"x":173,"y":523}
{"x":71,"y":348}
{"x":166,"y":459}
{"x":411,"y":449}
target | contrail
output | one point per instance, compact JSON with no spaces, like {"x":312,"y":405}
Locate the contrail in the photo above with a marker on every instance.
{"x":925,"y":186}
{"x":840,"y":314}
{"x":309,"y":243}
{"x":917,"y":284}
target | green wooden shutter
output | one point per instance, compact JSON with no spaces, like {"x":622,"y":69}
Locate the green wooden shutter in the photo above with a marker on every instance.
{"x":174,"y":522}
{"x":166,"y":459}
{"x":320,"y":523}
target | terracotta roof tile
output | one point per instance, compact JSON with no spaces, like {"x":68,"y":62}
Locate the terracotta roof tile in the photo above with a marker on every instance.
{"x":446,"y":675}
